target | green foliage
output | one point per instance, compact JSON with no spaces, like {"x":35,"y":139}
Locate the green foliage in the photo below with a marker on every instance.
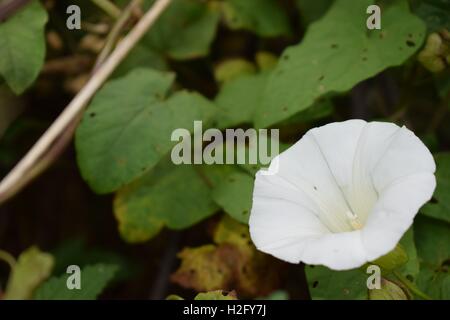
{"x":432,"y":239}
{"x":327,"y":284}
{"x":126,"y":129}
{"x":264,"y":17}
{"x":336,"y":54}
{"x":77,"y":252}
{"x":435,"y":13}
{"x":94,"y":279}
{"x":184,"y":31}
{"x":276,"y":295}
{"x":324,"y":283}
{"x":141,"y":57}
{"x":411,"y":267}
{"x":234,"y":195}
{"x":164,"y":197}
{"x":389,"y":291}
{"x":230,"y":69}
{"x":22,"y":46}
{"x":33,"y":266}
{"x":392,"y":260}
{"x":240,"y":99}
{"x":440,"y":208}
{"x":313,"y":10}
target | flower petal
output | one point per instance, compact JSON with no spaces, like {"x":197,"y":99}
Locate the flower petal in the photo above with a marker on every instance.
{"x":283,"y":223}
{"x":394,"y":212}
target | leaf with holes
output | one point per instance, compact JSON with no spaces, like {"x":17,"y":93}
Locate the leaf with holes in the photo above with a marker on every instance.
{"x":22,"y":46}
{"x":127,"y":128}
{"x":240,"y":101}
{"x":336,"y":53}
{"x":326,"y":284}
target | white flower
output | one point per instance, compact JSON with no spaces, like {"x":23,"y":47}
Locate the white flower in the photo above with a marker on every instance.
{"x":343,"y":195}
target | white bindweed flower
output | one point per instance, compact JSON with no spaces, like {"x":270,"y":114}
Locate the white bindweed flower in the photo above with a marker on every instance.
{"x":343,"y":195}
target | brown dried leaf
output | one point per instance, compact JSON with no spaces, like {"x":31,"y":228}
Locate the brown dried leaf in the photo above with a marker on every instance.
{"x":233,"y":263}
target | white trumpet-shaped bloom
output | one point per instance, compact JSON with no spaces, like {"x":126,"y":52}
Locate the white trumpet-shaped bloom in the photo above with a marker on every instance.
{"x":343,"y":195}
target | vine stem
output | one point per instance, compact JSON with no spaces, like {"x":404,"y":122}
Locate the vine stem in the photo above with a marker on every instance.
{"x":411,"y":286}
{"x":8,"y":258}
{"x":109,"y":7}
{"x":10,"y":8}
{"x":37,"y":159}
{"x":115,"y":32}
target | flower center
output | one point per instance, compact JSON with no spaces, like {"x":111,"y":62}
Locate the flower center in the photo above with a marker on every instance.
{"x":354,"y":220}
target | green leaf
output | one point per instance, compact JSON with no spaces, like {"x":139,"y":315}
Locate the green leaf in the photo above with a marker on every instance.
{"x":239,"y":99}
{"x":411,"y":268}
{"x":326,"y":284}
{"x":94,"y":279}
{"x":172,"y":196}
{"x":22,"y":46}
{"x":76,"y":252}
{"x":435,"y":283}
{"x":174,"y":297}
{"x":264,"y":17}
{"x":276,"y":295}
{"x":234,"y":195}
{"x":436,"y":14}
{"x":141,"y":57}
{"x":313,"y":10}
{"x":33,"y":266}
{"x":389,"y":291}
{"x":127,"y":128}
{"x":233,"y":68}
{"x":392,"y":260}
{"x":184,"y":31}
{"x":336,"y":53}
{"x":432,"y":242}
{"x":440,"y":207}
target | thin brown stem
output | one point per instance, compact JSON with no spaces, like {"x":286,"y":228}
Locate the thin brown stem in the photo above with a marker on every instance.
{"x":115,"y":32}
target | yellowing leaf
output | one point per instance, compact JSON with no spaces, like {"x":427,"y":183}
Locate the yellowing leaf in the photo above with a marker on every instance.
{"x":33,"y":267}
{"x":232,"y":264}
{"x":216,"y":295}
